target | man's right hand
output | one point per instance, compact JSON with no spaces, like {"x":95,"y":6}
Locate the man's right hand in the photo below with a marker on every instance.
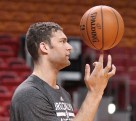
{"x":98,"y":79}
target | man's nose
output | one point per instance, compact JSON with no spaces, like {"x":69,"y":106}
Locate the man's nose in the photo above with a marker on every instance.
{"x":70,"y":47}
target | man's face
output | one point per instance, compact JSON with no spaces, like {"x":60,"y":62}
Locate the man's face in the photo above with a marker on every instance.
{"x":60,"y":51}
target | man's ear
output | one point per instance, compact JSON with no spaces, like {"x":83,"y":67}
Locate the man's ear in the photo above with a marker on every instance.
{"x":43,"y":47}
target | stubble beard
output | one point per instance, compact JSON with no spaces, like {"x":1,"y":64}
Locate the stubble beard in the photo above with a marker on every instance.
{"x":65,"y":65}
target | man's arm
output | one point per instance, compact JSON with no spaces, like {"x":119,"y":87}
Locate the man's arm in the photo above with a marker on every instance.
{"x":96,"y":83}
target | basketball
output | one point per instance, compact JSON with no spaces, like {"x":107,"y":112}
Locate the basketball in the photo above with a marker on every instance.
{"x":102,"y":27}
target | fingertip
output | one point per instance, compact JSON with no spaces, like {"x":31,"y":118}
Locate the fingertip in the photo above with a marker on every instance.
{"x":87,"y":70}
{"x":87,"y":66}
{"x":94,"y":63}
{"x":114,"y":67}
{"x":102,"y":54}
{"x":101,"y":58}
{"x":109,"y":56}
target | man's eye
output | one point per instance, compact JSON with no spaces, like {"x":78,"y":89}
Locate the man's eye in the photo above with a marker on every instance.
{"x":63,"y":41}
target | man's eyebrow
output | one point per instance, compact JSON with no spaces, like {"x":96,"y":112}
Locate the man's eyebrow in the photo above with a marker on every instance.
{"x":64,"y":39}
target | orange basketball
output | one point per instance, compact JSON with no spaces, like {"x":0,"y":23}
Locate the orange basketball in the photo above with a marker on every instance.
{"x":101,"y":27}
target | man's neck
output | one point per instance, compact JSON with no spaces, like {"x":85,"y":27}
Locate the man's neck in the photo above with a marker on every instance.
{"x":46,"y":74}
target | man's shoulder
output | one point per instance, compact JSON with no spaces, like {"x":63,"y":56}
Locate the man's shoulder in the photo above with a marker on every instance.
{"x":29,"y":84}
{"x":30,"y":88}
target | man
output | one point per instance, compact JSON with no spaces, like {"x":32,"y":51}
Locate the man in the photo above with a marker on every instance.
{"x":39,"y":97}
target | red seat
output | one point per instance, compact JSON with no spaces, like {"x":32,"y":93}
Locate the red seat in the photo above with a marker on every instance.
{"x":132,"y":89}
{"x":2,"y":110}
{"x":24,"y":75}
{"x":4,"y":118}
{"x":5,"y":97}
{"x":119,"y":52}
{"x":10,"y":83}
{"x":9,"y":79}
{"x":119,"y":85}
{"x":3,"y":65}
{"x":18,"y":65}
{"x":5,"y":106}
{"x":6,"y":51}
{"x":119,"y":62}
{"x":132,"y":53}
{"x":8,"y":75}
{"x":12,"y":42}
{"x":3,"y":89}
{"x":15,"y":61}
{"x":132,"y":74}
{"x":131,"y":64}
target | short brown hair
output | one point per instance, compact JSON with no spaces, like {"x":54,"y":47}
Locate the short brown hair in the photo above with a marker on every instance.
{"x":37,"y":33}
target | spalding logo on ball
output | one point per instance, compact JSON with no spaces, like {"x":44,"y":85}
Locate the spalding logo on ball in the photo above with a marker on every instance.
{"x":101,"y":27}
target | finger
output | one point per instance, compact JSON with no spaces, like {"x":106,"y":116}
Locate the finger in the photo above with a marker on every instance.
{"x":98,"y":66}
{"x":108,"y":67}
{"x":95,"y":63}
{"x":110,"y":74}
{"x":101,"y":58}
{"x":87,"y":71}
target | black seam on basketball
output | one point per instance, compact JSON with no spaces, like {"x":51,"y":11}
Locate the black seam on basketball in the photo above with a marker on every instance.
{"x":83,"y":34}
{"x":117,"y":28}
{"x":88,"y":33}
{"x":82,"y":30}
{"x":102,"y":29}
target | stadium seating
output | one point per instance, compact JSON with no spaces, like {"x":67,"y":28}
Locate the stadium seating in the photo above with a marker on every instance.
{"x":13,"y":70}
{"x":12,"y":42}
{"x":6,"y":51}
{"x":18,"y":65}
